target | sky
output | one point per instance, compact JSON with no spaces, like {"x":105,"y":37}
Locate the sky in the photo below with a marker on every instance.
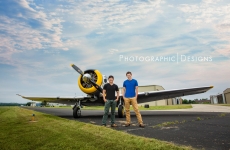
{"x":172,"y":43}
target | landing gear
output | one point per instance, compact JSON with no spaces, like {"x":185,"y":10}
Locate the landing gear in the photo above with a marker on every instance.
{"x":121,"y":111}
{"x":77,"y":110}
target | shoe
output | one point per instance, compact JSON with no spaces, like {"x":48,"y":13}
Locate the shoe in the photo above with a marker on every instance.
{"x":103,"y":125}
{"x":141,"y":125}
{"x":127,"y":124}
{"x":113,"y":125}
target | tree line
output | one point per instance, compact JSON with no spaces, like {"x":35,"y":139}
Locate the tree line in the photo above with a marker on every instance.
{"x":185,"y":101}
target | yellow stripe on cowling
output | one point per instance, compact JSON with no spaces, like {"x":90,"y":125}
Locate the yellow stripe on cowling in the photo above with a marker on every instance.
{"x":92,"y":89}
{"x":71,"y":65}
{"x":211,"y":86}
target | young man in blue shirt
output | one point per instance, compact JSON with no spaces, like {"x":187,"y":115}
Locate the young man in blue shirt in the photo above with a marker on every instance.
{"x":110,"y":100}
{"x":130,"y":93}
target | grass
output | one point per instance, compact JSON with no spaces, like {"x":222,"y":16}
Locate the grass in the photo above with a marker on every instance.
{"x":167,"y":107}
{"x":51,"y":132}
{"x":94,"y":108}
{"x":170,"y":123}
{"x":198,"y":118}
{"x":222,"y":115}
{"x":220,"y":104}
{"x":223,"y":105}
{"x":165,"y":124}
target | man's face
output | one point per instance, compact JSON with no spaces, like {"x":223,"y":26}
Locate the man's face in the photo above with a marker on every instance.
{"x":110,"y":80}
{"x":129,"y":76}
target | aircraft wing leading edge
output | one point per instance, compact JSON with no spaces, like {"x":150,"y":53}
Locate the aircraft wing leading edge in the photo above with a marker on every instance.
{"x":142,"y":96}
{"x":167,"y":94}
{"x":55,"y":99}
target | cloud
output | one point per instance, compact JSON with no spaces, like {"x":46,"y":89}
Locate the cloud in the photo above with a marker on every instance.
{"x":42,"y":38}
{"x":112,"y":51}
{"x":214,"y":15}
{"x":31,"y":27}
{"x":104,"y":14}
{"x":100,"y":32}
{"x":27,"y":27}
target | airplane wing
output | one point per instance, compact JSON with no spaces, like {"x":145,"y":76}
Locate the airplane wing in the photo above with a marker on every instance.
{"x":166,"y":94}
{"x":59,"y":99}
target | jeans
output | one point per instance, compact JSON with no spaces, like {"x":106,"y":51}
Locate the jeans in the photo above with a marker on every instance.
{"x":108,"y":104}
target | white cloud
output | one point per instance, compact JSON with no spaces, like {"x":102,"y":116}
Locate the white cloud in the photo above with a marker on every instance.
{"x":104,"y":14}
{"x":131,"y":28}
{"x":112,"y":51}
{"x":213,"y":15}
{"x":20,"y":36}
{"x":100,"y":32}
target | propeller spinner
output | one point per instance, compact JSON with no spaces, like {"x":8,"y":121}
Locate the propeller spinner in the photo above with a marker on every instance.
{"x":87,"y":78}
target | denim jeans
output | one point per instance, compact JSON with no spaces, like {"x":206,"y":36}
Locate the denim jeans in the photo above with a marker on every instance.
{"x":108,"y":104}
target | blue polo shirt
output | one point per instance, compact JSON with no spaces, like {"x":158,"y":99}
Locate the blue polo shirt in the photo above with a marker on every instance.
{"x":130,"y":86}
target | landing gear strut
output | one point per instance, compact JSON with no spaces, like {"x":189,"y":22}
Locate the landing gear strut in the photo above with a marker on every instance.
{"x":77,"y":110}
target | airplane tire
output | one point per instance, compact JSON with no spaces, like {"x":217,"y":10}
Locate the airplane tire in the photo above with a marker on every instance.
{"x":121,"y":111}
{"x":77,"y":112}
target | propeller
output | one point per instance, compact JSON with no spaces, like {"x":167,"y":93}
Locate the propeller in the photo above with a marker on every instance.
{"x":77,"y":69}
{"x":96,"y":86}
{"x":87,"y":77}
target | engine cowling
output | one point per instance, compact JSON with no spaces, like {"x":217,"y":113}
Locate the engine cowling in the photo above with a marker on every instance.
{"x":88,"y":88}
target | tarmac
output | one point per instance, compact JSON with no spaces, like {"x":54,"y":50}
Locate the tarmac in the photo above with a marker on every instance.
{"x":202,"y":127}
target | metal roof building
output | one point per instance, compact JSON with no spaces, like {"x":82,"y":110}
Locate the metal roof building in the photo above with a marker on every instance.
{"x":222,"y":98}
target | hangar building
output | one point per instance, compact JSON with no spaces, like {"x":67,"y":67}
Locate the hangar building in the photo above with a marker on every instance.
{"x":223,"y":98}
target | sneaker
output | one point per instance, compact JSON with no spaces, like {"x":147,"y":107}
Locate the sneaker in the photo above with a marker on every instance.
{"x":103,"y":125}
{"x":113,"y":125}
{"x":127,"y":124}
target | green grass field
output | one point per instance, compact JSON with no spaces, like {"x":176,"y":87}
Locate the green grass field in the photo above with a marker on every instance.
{"x":167,"y":107}
{"x":223,"y":105}
{"x":51,"y":132}
{"x":220,"y":104}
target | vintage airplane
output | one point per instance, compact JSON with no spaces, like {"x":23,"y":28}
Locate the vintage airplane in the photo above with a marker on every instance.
{"x":91,"y":82}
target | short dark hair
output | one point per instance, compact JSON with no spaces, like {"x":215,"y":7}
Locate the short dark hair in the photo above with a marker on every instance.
{"x":128,"y":72}
{"x":110,"y":77}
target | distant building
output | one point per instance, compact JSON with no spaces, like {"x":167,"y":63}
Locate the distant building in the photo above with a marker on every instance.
{"x":222,"y":98}
{"x":202,"y":101}
{"x":33,"y":104}
{"x":57,"y":104}
{"x":227,"y":95}
{"x":38,"y":104}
